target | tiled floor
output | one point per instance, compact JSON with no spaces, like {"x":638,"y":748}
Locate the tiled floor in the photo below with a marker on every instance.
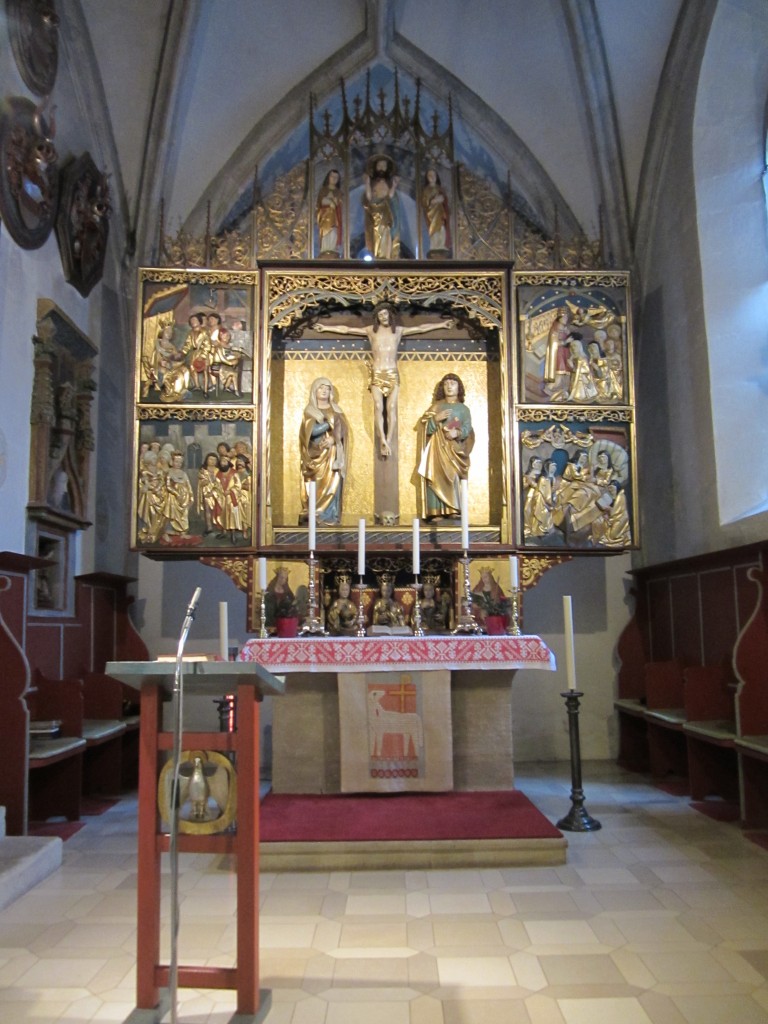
{"x":659,"y":918}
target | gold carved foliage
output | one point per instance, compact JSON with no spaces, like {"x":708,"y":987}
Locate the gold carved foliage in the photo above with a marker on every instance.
{"x":533,"y":251}
{"x":220,"y":278}
{"x":533,"y":567}
{"x":281,"y":221}
{"x":215,"y":413}
{"x":185,"y":250}
{"x":292,"y":295}
{"x":560,"y":279}
{"x":556,"y":435}
{"x":238,"y":569}
{"x":580,"y":253}
{"x":560,"y":415}
{"x":233,"y":250}
{"x":483,"y":220}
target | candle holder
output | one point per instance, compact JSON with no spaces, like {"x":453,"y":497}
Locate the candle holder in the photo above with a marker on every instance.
{"x":467,"y":622}
{"x":312,"y":626}
{"x":417,"y":628}
{"x":263,"y":634}
{"x":577,"y":819}
{"x":514,"y":613}
{"x":226,"y":706}
{"x":360,"y":614}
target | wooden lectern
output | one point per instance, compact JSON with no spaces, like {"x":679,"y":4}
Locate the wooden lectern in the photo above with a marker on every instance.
{"x":250,"y":683}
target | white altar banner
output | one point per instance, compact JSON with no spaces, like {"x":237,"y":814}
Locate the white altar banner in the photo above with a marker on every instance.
{"x":396,"y":732}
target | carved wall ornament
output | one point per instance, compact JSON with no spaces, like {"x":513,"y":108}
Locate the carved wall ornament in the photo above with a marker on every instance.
{"x":82,"y":225}
{"x":33,"y":27}
{"x":29,"y":174}
{"x":62,"y":436}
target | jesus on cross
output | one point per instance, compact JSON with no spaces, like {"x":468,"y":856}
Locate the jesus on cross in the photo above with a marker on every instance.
{"x":384,"y":336}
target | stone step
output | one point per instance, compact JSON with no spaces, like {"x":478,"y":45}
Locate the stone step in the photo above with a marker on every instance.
{"x":25,"y":861}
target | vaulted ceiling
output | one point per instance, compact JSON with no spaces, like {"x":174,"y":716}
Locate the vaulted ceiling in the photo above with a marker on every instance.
{"x":187,"y":96}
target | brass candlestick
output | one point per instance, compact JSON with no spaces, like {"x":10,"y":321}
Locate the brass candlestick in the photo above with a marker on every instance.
{"x":312,"y":625}
{"x":360,"y":615}
{"x":467,"y":622}
{"x":514,"y":614}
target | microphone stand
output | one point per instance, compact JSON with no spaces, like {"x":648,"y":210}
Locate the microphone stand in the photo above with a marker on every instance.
{"x":178,"y":703}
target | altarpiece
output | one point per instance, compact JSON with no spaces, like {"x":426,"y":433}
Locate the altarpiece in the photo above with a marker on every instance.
{"x":389,"y":326}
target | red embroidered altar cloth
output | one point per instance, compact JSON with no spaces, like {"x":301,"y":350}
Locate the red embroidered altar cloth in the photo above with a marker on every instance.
{"x":406,"y":653}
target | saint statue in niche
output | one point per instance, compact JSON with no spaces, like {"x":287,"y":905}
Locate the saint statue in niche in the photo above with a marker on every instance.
{"x":328,"y":213}
{"x":447,"y":440}
{"x":323,"y":447}
{"x":381,"y":205}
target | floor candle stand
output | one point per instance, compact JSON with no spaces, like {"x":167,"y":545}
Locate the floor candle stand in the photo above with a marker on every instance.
{"x":577,"y":819}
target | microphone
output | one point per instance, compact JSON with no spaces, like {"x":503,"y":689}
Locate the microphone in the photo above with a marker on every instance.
{"x":187,"y":624}
{"x":193,"y":603}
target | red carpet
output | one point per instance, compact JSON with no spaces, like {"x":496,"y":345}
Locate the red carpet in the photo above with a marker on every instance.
{"x":761,"y":838}
{"x":63,"y":829}
{"x":91,"y":806}
{"x":718,"y":810}
{"x":288,"y":818}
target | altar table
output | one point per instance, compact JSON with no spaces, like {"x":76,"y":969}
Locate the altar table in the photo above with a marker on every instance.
{"x":306,"y":732}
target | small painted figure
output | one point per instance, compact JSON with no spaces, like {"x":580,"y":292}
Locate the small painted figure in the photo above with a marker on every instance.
{"x":210,"y":496}
{"x":328,"y":212}
{"x":342,"y":614}
{"x":434,"y":205}
{"x":178,"y":497}
{"x":387,"y":611}
{"x":447,"y":439}
{"x":323,"y":440}
{"x":435,"y":608}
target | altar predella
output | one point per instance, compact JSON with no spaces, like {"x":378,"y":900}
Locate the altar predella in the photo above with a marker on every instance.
{"x":383,"y":374}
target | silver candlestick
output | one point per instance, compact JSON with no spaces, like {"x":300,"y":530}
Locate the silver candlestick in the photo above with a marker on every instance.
{"x":417,"y":629}
{"x":467,"y":622}
{"x":263,"y":624}
{"x":312,"y":625}
{"x":360,"y":614}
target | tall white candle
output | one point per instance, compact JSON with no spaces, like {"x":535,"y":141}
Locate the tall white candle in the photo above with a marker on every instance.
{"x":464,"y":500}
{"x":416,"y":551}
{"x":514,"y":572}
{"x":361,"y":548}
{"x":223,"y":631}
{"x":262,"y":574}
{"x":570,"y":654}
{"x":312,"y":498}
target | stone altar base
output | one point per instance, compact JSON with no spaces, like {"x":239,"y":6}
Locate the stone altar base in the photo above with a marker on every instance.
{"x":306,"y":733}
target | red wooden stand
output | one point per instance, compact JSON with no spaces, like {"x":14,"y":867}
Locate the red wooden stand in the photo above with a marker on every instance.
{"x":152,"y":976}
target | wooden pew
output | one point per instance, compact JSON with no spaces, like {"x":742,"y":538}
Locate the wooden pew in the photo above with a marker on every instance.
{"x":108,"y":699}
{"x":750,"y":658}
{"x":55,"y":755}
{"x":710,"y":733}
{"x":664,"y":716}
{"x":631,"y":701}
{"x":103,"y":731}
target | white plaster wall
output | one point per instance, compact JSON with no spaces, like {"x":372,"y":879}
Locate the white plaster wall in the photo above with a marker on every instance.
{"x":729,"y":159}
{"x":25,"y":276}
{"x":539,"y":719}
{"x":677,"y":447}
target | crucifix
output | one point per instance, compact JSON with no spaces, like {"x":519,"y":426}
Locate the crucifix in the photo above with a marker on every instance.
{"x":384,"y":335}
